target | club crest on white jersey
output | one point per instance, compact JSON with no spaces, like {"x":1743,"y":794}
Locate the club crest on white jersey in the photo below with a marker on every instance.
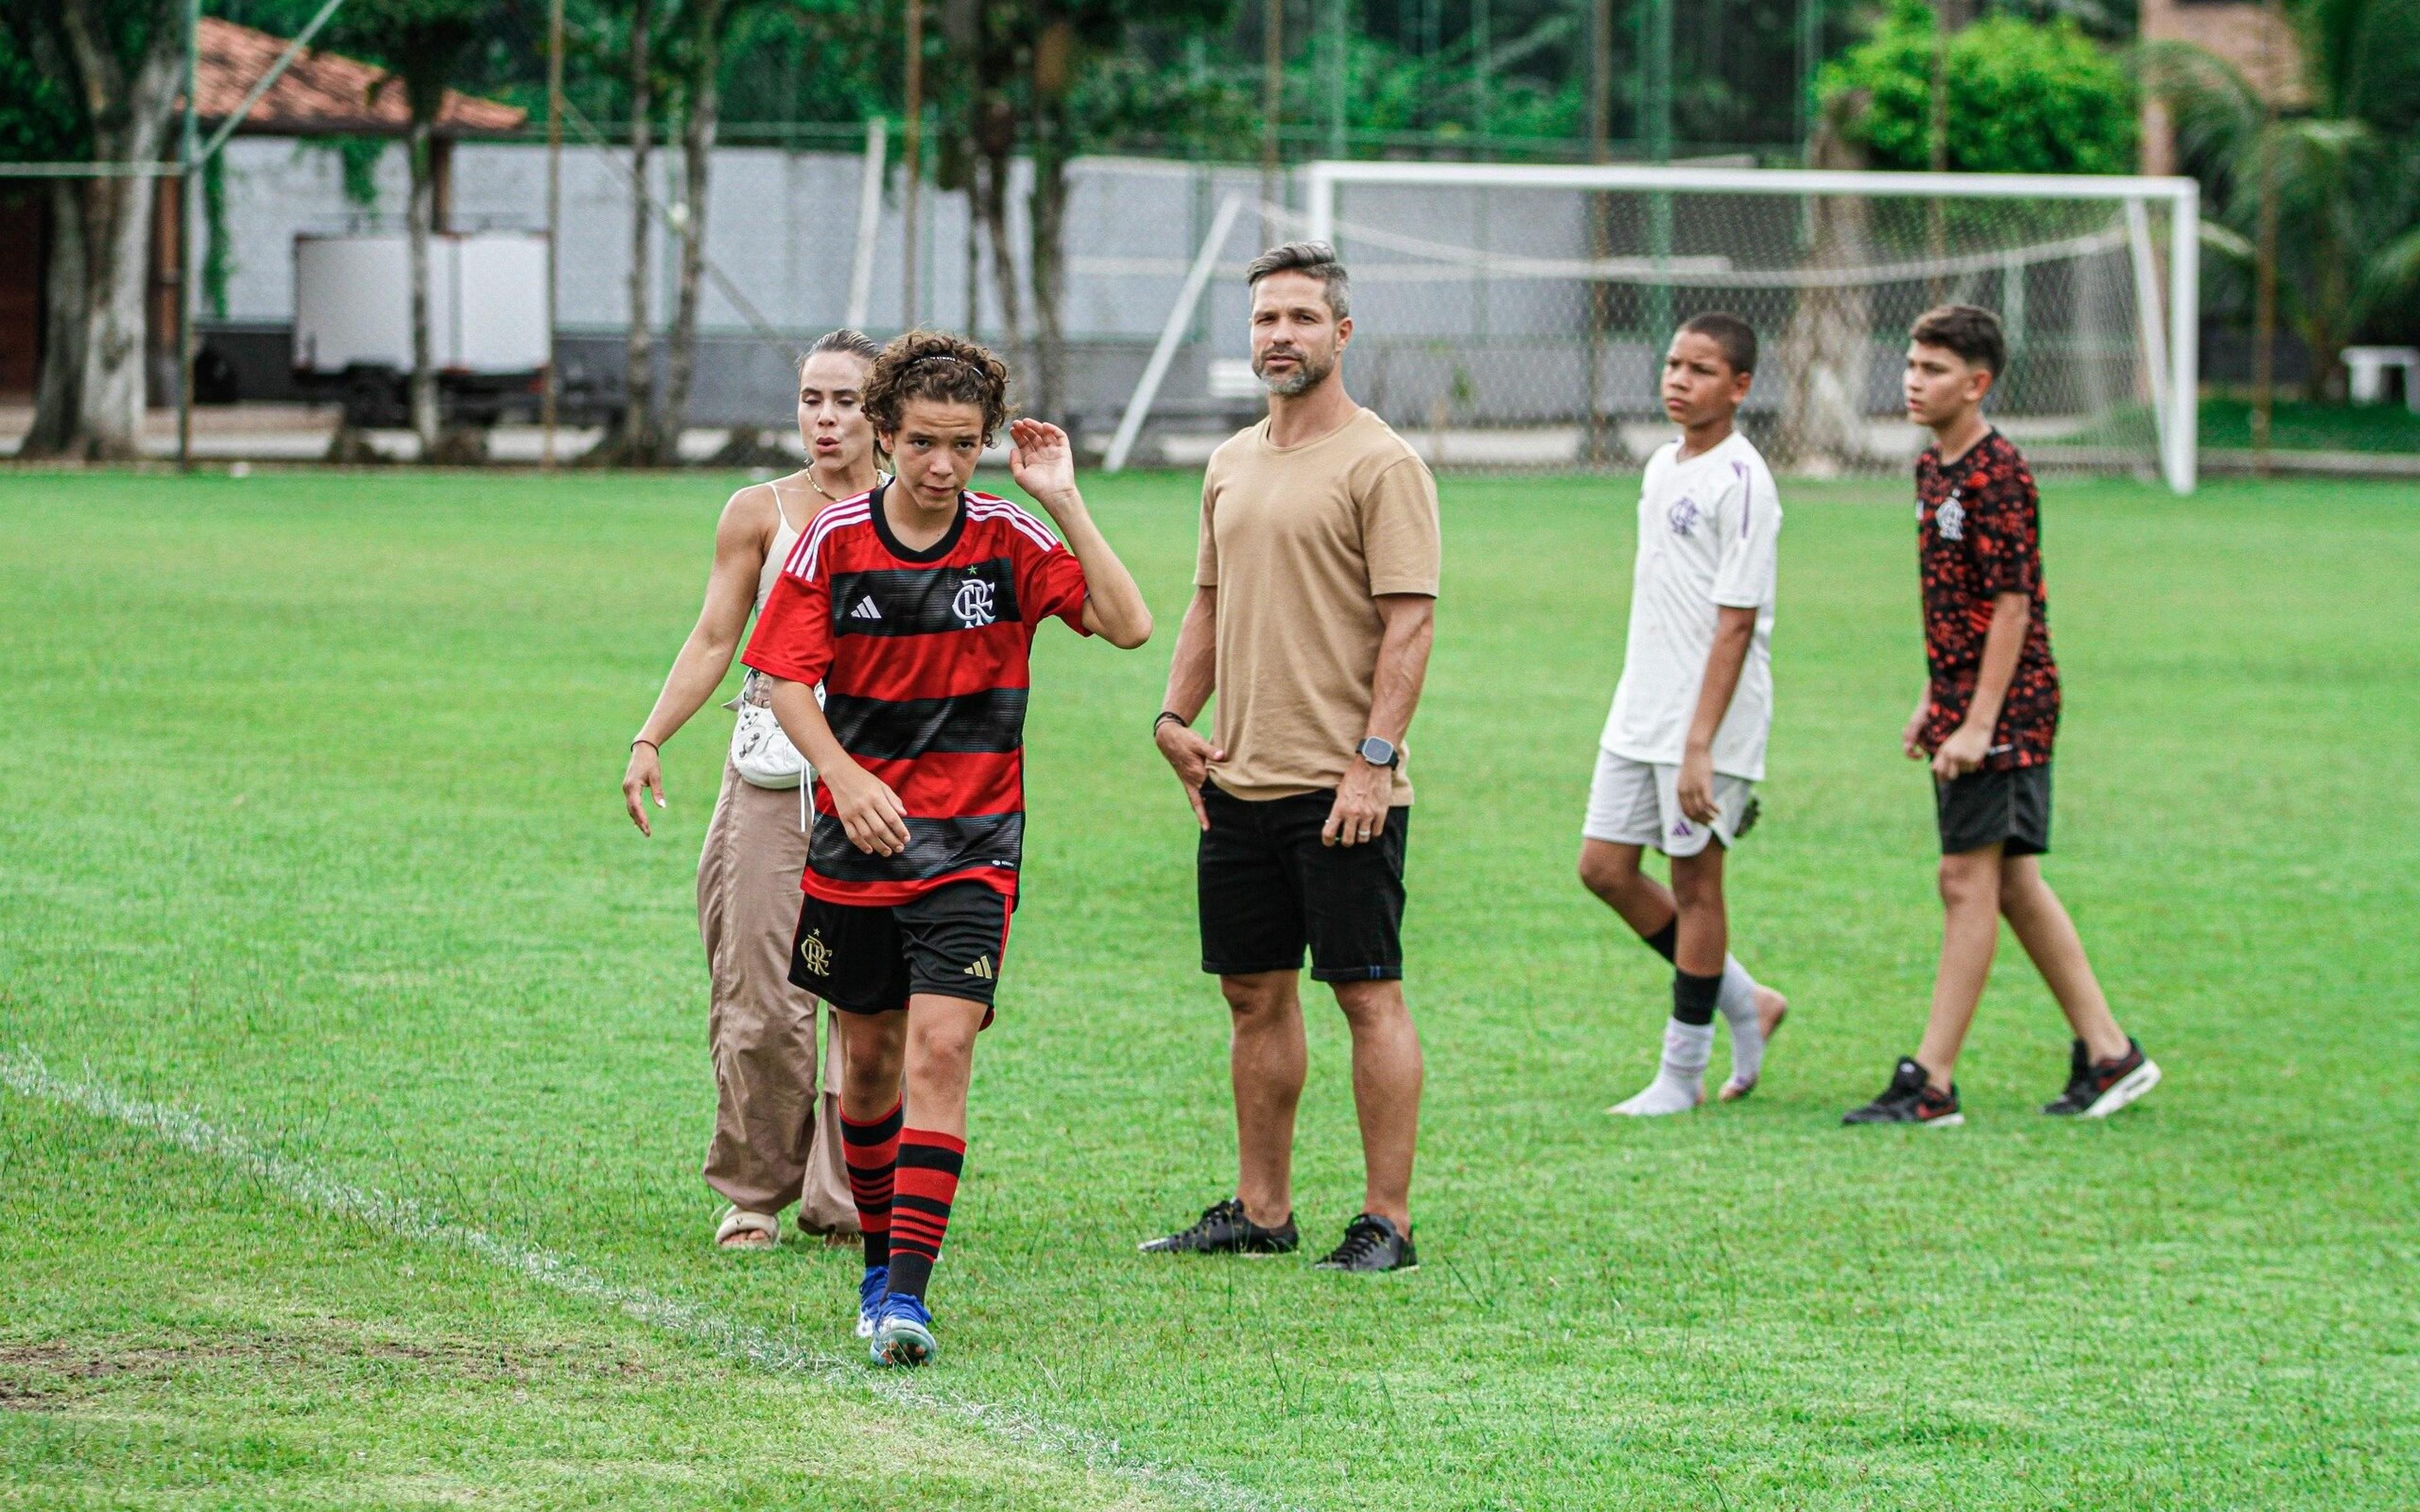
{"x":1682,"y":516}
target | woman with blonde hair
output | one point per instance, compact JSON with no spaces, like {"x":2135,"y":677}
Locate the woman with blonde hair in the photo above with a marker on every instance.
{"x":770,"y":1147}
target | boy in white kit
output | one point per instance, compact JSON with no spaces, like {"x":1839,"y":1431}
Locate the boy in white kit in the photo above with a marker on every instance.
{"x":1684,"y":745}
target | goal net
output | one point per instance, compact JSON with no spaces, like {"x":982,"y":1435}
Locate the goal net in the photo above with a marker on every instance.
{"x":1511,"y":317}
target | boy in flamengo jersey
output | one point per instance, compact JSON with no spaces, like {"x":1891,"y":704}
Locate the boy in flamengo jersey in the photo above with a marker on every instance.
{"x":1986,"y":723}
{"x":915,"y":606}
{"x":1684,"y":743}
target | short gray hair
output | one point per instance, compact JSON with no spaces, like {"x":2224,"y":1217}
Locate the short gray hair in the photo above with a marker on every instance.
{"x":1316,"y":258}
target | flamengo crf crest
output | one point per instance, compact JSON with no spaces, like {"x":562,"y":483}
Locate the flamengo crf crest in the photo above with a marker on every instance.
{"x":972,"y":605}
{"x":814,"y":954}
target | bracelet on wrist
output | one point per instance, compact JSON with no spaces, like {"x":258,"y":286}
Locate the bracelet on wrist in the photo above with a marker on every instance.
{"x":1166,"y":714}
{"x":649,"y":744}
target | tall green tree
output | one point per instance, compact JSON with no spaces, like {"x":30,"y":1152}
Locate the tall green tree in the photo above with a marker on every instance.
{"x":426,"y":47}
{"x":2024,"y":96}
{"x":2345,"y":167}
{"x":111,"y":70}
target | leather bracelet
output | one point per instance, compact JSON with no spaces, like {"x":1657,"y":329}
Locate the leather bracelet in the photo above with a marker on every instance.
{"x":649,"y":744}
{"x":1166,"y":714}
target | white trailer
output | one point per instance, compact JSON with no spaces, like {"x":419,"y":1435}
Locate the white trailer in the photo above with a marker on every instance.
{"x":486,"y":322}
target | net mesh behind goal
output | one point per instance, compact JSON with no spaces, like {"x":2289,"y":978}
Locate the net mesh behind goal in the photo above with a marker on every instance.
{"x":1507,"y":324}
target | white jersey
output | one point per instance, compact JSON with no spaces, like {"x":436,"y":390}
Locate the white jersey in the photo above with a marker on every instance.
{"x":1707,"y":529}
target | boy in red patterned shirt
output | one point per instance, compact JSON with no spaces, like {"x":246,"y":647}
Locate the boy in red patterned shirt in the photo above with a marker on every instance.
{"x":913,"y":609}
{"x":1986,"y":724}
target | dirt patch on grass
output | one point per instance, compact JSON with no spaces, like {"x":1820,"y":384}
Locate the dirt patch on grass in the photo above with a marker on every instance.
{"x":49,"y":1375}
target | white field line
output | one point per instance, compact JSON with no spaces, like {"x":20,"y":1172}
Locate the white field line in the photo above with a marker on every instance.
{"x":23,"y":1071}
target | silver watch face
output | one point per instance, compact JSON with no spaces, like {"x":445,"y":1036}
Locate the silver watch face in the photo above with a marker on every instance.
{"x":1378,"y":752}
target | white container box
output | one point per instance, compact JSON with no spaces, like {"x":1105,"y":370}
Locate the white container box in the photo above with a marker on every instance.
{"x":487,"y":302}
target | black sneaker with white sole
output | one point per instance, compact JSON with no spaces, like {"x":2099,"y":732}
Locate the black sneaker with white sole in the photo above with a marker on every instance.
{"x":1370,"y":1245}
{"x":1224,"y":1229}
{"x":2097,"y":1089}
{"x":1910,"y":1099}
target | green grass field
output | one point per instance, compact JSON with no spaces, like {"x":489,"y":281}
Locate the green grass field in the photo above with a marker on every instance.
{"x":314,"y":837}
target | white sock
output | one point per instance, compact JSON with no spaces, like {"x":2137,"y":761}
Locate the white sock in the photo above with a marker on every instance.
{"x":1680,"y":1082}
{"x":1737,"y":1000}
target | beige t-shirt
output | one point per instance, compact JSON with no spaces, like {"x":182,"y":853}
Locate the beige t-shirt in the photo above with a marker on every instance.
{"x":1300,"y":540}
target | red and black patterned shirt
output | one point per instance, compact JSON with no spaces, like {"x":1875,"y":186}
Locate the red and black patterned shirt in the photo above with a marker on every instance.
{"x":1979,"y":535}
{"x":922,"y":658}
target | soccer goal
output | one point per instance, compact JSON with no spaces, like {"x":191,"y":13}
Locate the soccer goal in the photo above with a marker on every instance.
{"x":1515,"y":316}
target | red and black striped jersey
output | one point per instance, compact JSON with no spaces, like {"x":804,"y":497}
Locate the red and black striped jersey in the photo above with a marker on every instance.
{"x":924,"y":660}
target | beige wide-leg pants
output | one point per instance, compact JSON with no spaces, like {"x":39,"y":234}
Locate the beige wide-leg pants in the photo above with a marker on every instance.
{"x":776,"y":1124}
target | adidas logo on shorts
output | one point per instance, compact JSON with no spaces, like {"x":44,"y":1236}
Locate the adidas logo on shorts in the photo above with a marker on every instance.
{"x":866,"y":610}
{"x":982,"y":968}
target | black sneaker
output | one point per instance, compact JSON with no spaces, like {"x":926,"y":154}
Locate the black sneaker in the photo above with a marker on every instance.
{"x":2096,"y":1089}
{"x":1223,"y":1229}
{"x":1371,"y":1244}
{"x":1909,"y":1099}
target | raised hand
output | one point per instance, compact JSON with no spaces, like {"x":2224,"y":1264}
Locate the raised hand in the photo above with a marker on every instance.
{"x":1041,"y":459}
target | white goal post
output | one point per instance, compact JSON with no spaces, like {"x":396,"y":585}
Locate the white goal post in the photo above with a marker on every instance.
{"x":1489,"y":295}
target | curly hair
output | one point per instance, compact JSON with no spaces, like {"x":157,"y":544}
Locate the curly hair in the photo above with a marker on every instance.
{"x":940,"y":369}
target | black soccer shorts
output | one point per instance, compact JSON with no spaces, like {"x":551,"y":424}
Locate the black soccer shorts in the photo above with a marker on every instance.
{"x":2010,"y":809}
{"x":1268,"y":888}
{"x":950,"y":942}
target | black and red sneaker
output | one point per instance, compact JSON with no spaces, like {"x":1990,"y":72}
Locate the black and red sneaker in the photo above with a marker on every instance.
{"x":2097,"y":1089}
{"x":1910,"y":1099}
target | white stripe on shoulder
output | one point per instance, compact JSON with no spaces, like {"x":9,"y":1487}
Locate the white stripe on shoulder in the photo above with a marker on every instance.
{"x":990,"y":508}
{"x":804,"y":556}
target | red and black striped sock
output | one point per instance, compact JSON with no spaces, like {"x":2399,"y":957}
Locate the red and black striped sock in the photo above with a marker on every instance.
{"x":871,"y":1151}
{"x":929,"y":1164}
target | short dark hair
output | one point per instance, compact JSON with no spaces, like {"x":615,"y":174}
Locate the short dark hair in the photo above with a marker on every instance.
{"x":935,"y":366}
{"x":1318,"y":259}
{"x":1735,"y":336}
{"x":847,"y":339}
{"x":1969,"y":330}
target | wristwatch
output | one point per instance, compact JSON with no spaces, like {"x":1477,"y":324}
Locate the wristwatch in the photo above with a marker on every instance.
{"x":1379,"y":751}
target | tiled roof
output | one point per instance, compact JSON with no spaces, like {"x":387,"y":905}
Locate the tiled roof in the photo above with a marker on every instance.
{"x":322,"y":94}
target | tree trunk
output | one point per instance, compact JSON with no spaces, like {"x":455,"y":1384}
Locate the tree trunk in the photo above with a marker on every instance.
{"x":635,"y":441}
{"x":697,"y":158}
{"x":993,"y":204}
{"x":59,"y":390}
{"x":1825,"y":349}
{"x":1054,"y":69}
{"x":423,"y":223}
{"x":130,"y":115}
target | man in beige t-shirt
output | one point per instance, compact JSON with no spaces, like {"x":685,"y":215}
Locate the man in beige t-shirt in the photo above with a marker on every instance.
{"x":1312,"y":610}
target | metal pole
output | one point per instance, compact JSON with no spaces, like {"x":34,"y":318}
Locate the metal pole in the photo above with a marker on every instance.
{"x":2184,"y":337}
{"x":1482,"y":57}
{"x":1334,"y":53}
{"x":911,"y":150}
{"x":1655,"y":132}
{"x":2264,"y":278}
{"x":185,"y":262}
{"x":1600,"y":206}
{"x":1171,"y":333}
{"x":549,"y":402}
{"x":869,"y":224}
{"x":1272,"y":112}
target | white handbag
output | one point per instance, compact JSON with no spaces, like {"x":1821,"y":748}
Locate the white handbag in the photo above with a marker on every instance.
{"x":761,"y":752}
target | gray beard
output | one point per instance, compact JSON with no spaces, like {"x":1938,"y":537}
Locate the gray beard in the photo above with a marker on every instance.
{"x":1308,"y":374}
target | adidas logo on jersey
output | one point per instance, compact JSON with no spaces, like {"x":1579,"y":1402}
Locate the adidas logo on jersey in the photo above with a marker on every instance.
{"x":982,"y":968}
{"x":866,"y":610}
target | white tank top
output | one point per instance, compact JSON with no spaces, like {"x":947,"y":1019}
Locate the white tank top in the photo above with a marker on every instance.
{"x":784,"y":536}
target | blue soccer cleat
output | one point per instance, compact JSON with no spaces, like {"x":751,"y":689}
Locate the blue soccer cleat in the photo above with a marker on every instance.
{"x":902,"y":1331}
{"x":870,"y":1292}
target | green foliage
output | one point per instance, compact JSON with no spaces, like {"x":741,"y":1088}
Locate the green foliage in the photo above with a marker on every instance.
{"x":218,"y":246}
{"x":2025,"y":96}
{"x":2346,"y":171}
{"x":39,"y":121}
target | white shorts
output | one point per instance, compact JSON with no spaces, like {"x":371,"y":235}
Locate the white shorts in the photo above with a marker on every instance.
{"x":1638,"y":803}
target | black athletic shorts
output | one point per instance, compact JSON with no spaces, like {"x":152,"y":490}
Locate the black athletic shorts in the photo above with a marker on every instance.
{"x":951,"y":942}
{"x":2010,"y":809}
{"x":1268,"y":887}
